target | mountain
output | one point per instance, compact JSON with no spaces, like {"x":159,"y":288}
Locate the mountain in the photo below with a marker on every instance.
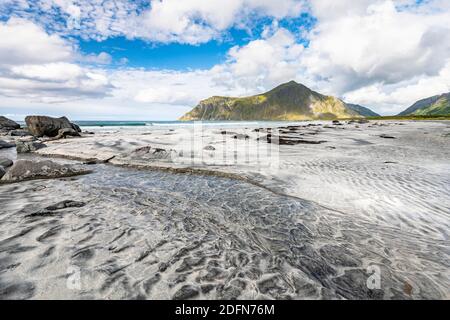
{"x":365,"y":112}
{"x":289,"y":101}
{"x":433,"y":106}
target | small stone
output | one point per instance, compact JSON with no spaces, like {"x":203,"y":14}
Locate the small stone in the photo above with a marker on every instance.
{"x":209,"y":148}
{"x":385,"y":136}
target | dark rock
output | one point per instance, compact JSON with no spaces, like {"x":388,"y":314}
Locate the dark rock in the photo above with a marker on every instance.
{"x":40,"y":126}
{"x":97,"y":161}
{"x":5,"y":162}
{"x":28,"y":146}
{"x":8,"y":124}
{"x":363,"y":121}
{"x":28,"y":170}
{"x":186,"y":292}
{"x":290,"y":141}
{"x":385,"y":136}
{"x":209,"y":148}
{"x":337,"y":123}
{"x":2,"y":172}
{"x":163,"y":266}
{"x":4,"y":145}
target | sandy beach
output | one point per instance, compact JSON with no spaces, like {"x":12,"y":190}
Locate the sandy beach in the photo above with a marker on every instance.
{"x":266,"y":210}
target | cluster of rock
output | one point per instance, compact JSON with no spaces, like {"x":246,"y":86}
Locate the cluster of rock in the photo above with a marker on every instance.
{"x":38,"y":129}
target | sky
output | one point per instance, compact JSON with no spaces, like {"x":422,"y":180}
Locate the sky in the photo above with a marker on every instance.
{"x":156,"y":59}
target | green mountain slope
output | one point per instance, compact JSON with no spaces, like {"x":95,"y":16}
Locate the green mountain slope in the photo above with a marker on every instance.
{"x":366,"y":112}
{"x":433,"y":106}
{"x":289,"y":101}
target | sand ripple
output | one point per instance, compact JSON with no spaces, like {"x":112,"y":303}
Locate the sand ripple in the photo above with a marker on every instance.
{"x":147,"y":235}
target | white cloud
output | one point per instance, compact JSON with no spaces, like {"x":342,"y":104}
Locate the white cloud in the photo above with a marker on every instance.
{"x":395,"y":98}
{"x":262,"y":63}
{"x":379,"y":53}
{"x":101,"y":58}
{"x":381,"y":44}
{"x":187,"y":21}
{"x":22,"y":42}
{"x":37,"y":66}
{"x":365,"y":50}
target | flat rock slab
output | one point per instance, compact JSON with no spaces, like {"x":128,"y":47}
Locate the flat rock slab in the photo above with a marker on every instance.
{"x":29,"y":170}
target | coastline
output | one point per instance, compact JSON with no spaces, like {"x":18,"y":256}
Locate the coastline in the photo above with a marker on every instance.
{"x":335,"y":208}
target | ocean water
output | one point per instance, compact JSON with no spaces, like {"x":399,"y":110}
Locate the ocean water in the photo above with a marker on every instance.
{"x":93,"y":123}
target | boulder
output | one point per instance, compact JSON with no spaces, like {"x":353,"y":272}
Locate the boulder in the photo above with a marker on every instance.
{"x":4,"y":144}
{"x":46,"y":169}
{"x":40,"y":126}
{"x":8,"y":124}
{"x":2,"y":172}
{"x":5,"y":162}
{"x":28,"y":146}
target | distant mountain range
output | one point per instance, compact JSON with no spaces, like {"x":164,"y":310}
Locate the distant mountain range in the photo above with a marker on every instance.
{"x":289,"y":101}
{"x":433,"y":106}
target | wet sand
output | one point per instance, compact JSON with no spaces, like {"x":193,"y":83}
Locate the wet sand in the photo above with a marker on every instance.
{"x":305,"y":222}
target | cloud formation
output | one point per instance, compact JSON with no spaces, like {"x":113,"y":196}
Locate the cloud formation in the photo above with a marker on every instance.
{"x":40,"y":67}
{"x":187,"y":21}
{"x":380,"y":53}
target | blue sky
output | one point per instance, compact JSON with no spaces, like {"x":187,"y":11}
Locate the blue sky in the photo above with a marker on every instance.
{"x":142,"y":54}
{"x":155,"y":59}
